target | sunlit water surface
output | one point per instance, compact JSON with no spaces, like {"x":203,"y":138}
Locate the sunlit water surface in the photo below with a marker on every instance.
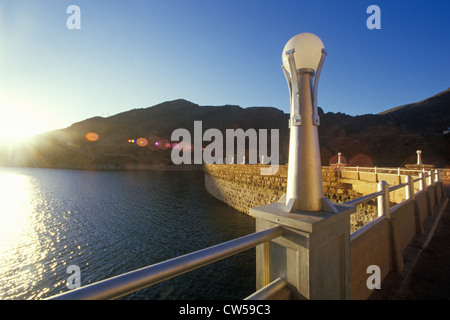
{"x":108,"y":223}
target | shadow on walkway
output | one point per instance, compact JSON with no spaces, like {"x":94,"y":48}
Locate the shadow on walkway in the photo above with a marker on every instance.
{"x":429,"y":277}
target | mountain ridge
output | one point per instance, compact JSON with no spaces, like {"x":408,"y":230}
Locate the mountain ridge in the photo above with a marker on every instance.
{"x":421,"y":102}
{"x":390,"y":138}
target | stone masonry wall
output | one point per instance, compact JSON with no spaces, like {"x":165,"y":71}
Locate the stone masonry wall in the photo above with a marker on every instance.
{"x":243,"y":186}
{"x":446,"y":175}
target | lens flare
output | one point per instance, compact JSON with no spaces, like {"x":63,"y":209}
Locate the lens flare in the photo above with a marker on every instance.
{"x":142,"y":142}
{"x":361,"y":160}
{"x":92,"y":136}
{"x":154,"y":143}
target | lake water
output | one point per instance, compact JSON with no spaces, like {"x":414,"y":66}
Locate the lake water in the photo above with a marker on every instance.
{"x":108,"y":223}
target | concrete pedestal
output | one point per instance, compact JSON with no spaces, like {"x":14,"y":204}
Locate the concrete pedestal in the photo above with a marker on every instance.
{"x":313,"y":255}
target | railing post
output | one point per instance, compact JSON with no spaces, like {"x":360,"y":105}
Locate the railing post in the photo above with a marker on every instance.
{"x":383,"y":202}
{"x":384,"y":208}
{"x":436,"y":175}
{"x":422,"y":181}
{"x":357,"y":172}
{"x":440,"y":193}
{"x":410,"y":195}
{"x":313,"y":255}
{"x":430,"y":178}
{"x":409,"y":190}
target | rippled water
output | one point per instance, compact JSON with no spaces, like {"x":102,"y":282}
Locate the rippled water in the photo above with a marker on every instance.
{"x":108,"y":223}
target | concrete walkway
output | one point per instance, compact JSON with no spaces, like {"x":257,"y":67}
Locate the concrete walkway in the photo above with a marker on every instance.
{"x":427,"y":264}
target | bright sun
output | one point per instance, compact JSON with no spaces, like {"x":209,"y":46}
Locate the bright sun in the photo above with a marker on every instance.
{"x":15,"y":129}
{"x":10,"y":131}
{"x":20,"y":119}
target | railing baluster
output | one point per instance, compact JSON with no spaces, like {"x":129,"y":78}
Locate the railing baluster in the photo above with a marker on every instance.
{"x":409,"y":190}
{"x":422,"y":181}
{"x":383,"y":200}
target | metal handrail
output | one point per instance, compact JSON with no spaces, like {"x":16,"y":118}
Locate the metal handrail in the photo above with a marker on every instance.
{"x":380,"y":193}
{"x":372,"y":169}
{"x":271,"y":290}
{"x":365,"y":198}
{"x":384,"y":193}
{"x":130,"y":282}
{"x":399,"y":186}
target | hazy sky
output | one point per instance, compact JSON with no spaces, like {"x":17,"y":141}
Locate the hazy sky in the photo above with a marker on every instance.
{"x":135,"y":54}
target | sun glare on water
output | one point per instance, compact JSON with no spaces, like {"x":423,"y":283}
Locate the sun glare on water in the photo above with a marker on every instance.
{"x":17,"y":241}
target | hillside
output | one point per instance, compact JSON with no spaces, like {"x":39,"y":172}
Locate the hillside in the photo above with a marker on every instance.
{"x":390,"y":138}
{"x":440,"y":99}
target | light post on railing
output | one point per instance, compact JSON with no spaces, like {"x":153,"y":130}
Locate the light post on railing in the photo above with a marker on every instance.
{"x":419,"y":158}
{"x":303,"y":57}
{"x":314,"y":255}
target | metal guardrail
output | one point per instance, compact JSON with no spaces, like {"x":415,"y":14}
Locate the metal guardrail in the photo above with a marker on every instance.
{"x":365,"y":198}
{"x":276,"y":289}
{"x":379,"y":169}
{"x":382,"y":195}
{"x":127,"y":283}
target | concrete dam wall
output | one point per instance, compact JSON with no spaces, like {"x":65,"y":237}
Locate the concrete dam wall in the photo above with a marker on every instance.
{"x":243,"y":187}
